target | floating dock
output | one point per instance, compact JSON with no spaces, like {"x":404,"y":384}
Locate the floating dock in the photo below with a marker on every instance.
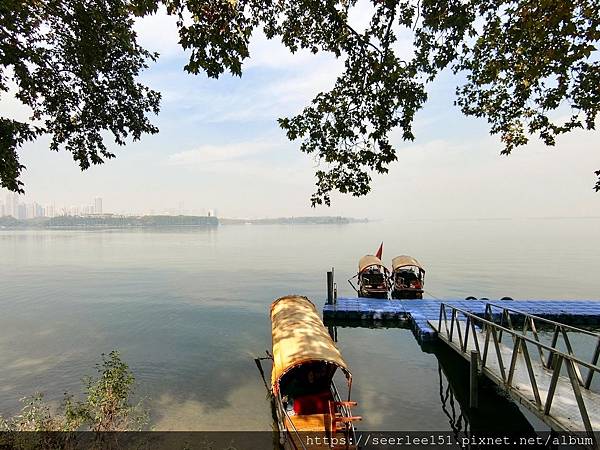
{"x":418,"y":313}
{"x":556,"y":384}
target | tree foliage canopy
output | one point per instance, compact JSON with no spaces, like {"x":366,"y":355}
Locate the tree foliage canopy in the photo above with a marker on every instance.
{"x":524,"y":63}
{"x":74,"y":64}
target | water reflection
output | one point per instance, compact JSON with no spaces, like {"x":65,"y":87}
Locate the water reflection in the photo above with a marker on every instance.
{"x":456,"y":420}
{"x":495,"y":413}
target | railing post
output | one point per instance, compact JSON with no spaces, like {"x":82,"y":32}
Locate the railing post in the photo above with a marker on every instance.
{"x":588,"y":381}
{"x":575,"y":382}
{"x":570,"y":352}
{"x":487,"y":314}
{"x":513,"y":360}
{"x":553,"y":345}
{"x":537,"y":338}
{"x":534,"y":387}
{"x":552,"y":387}
{"x":473,"y":399}
{"x":330,"y":287}
{"x":460,"y":339}
{"x":466,"y":341}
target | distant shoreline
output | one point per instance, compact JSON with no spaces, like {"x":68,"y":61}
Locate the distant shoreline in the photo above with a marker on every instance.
{"x":303,"y":220}
{"x":111,"y":221}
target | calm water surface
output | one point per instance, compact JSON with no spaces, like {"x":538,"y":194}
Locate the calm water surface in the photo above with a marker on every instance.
{"x":189,"y":309}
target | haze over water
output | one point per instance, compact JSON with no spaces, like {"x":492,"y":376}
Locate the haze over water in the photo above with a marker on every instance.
{"x":189,"y":309}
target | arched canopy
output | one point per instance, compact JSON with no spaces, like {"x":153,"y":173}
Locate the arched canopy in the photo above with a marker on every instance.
{"x":405,"y":261}
{"x":299,"y":337}
{"x":369,"y":261}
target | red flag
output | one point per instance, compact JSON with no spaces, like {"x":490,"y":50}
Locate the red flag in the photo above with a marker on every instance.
{"x":379,"y":251}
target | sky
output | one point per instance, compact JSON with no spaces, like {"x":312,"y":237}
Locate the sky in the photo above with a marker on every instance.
{"x":219,"y":147}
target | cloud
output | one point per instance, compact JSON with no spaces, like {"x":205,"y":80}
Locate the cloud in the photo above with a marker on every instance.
{"x":208,"y":154}
{"x":158,"y":33}
{"x":272,"y":54}
{"x":271,"y":100}
{"x":269,"y":169}
{"x":257,"y":96}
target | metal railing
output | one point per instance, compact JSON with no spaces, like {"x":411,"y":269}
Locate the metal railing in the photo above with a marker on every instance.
{"x":559,"y":332}
{"x":462,"y":323}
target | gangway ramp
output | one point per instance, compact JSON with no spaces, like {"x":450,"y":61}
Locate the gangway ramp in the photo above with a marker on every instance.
{"x":551,"y":385}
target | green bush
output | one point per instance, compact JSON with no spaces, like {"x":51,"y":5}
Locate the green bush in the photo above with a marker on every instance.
{"x":106,"y":405}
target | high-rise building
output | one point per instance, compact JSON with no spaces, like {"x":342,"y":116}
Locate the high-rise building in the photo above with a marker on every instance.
{"x":33,"y":210}
{"x":30,"y":211}
{"x":11,"y":205}
{"x":15,"y":206}
{"x":7,"y":205}
{"x":21,"y":209}
{"x":98,"y":205}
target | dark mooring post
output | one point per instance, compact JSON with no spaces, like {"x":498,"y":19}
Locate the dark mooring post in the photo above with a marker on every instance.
{"x":330,"y":287}
{"x":473,"y":400}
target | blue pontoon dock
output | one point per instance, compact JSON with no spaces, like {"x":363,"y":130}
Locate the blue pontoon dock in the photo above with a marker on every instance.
{"x":419,"y":312}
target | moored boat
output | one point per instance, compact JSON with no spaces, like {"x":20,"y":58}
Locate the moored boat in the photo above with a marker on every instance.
{"x":408,"y":278}
{"x":372,"y":277}
{"x":305,"y":359}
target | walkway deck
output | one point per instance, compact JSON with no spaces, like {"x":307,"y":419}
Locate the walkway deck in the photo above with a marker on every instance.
{"x":419,"y":312}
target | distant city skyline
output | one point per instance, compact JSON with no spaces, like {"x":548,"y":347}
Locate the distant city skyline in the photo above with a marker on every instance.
{"x":22,"y":207}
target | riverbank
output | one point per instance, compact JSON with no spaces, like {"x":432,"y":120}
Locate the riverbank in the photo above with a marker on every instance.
{"x":310,"y":220}
{"x":122,"y":221}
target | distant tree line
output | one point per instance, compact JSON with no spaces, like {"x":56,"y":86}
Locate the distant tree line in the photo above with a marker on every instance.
{"x":309,"y":220}
{"x":111,"y":221}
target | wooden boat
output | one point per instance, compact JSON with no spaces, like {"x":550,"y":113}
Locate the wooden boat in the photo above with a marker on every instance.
{"x":372,"y":278}
{"x":408,"y":278}
{"x":305,"y":359}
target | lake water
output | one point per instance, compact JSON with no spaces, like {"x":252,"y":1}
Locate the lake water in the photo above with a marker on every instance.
{"x":188,"y":311}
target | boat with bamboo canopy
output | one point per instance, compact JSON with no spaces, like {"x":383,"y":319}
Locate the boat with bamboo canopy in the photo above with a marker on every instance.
{"x":372,"y":277}
{"x":408,"y":278}
{"x":305,"y":360}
